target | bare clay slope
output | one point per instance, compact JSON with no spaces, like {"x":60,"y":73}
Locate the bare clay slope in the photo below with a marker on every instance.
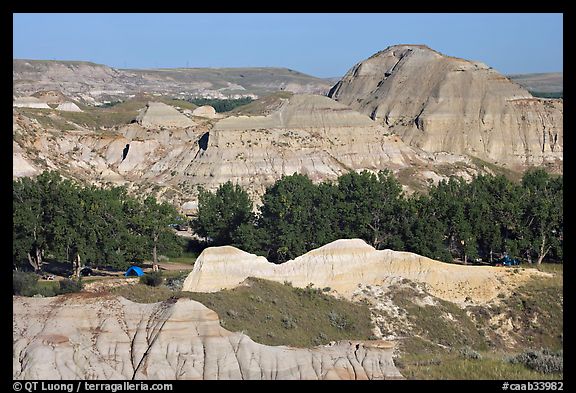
{"x":105,"y":337}
{"x":441,"y":103}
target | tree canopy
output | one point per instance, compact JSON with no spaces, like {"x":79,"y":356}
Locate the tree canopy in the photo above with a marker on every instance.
{"x":483,"y":218}
{"x":58,"y":219}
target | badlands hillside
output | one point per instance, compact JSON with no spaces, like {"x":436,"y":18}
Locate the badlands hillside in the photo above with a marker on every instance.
{"x":442,"y":103}
{"x":423,"y":115}
{"x":308,"y":134}
{"x":425,"y":316}
{"x":96,"y":83}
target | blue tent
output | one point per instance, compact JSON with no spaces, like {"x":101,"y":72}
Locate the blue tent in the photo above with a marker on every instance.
{"x":134,"y":271}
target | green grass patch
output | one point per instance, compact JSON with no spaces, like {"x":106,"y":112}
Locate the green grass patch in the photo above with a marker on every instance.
{"x":187,"y":257}
{"x":537,"y":307}
{"x":511,"y":175}
{"x":278,"y":314}
{"x":443,"y":324}
{"x":263,"y":105}
{"x":467,"y":346}
{"x":141,"y":293}
{"x":453,"y":365}
{"x":409,"y":177}
{"x":272,"y":313}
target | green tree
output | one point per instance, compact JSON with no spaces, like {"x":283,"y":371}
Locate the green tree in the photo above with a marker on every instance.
{"x":220,"y":214}
{"x":29,"y":237}
{"x":45,"y":217}
{"x":371,"y":207}
{"x":425,"y":234}
{"x":151,"y":220}
{"x":543,"y":214}
{"x":450,"y":202}
{"x":286,"y":217}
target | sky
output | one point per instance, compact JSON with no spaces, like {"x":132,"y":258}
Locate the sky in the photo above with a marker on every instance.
{"x":322,"y":45}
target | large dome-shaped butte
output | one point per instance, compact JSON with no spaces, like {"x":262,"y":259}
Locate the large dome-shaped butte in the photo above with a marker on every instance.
{"x":442,"y":103}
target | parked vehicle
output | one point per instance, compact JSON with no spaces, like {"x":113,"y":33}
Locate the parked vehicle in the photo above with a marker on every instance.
{"x":506,"y":261}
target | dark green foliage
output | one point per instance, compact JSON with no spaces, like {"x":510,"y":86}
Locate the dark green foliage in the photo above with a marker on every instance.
{"x":559,"y":94}
{"x":24,"y":284}
{"x":70,"y":286}
{"x":223,"y":215}
{"x":87,"y":226}
{"x":27,"y":284}
{"x":152,"y":279}
{"x":221,"y":105}
{"x":465,"y":220}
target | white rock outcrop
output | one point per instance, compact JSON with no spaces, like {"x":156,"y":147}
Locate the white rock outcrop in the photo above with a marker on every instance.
{"x":106,"y":337}
{"x":158,"y":114}
{"x":68,"y":107}
{"x":344,"y":265}
{"x":206,"y":111}
{"x":29,"y":102}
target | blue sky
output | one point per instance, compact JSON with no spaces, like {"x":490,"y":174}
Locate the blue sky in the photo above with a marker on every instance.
{"x":322,"y":45}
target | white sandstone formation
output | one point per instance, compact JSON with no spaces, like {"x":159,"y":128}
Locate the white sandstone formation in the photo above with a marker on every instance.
{"x":29,"y":102}
{"x":206,"y":111}
{"x":68,"y":107}
{"x":158,"y":114}
{"x":346,"y":264}
{"x":106,"y":337}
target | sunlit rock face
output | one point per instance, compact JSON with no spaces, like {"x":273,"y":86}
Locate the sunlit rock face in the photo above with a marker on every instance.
{"x":442,"y":103}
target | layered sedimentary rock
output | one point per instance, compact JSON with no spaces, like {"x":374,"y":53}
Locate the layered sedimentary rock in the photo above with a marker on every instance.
{"x":307,"y":134}
{"x":105,"y":337}
{"x":158,"y":114}
{"x":345,"y":265}
{"x":441,"y":103}
{"x":29,"y":102}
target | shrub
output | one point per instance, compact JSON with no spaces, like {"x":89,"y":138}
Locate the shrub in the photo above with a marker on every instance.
{"x":339,"y":321}
{"x":152,"y":279}
{"x":469,"y":353}
{"x":288,"y":322}
{"x":24,"y":284}
{"x":543,"y":361}
{"x":176,"y":283}
{"x":69,"y":286}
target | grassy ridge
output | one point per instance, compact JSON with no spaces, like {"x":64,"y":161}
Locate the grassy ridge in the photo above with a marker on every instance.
{"x":438,"y":347}
{"x":272,"y":313}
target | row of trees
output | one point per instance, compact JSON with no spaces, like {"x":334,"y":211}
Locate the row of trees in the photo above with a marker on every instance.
{"x":221,"y":105}
{"x":455,"y":219}
{"x":55,"y":218}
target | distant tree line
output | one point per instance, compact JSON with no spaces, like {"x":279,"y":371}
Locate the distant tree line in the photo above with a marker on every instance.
{"x":456,"y":219}
{"x":57,"y":219}
{"x":221,"y":105}
{"x":540,"y":94}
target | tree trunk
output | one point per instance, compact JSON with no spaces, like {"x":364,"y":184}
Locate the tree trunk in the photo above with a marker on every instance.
{"x":529,"y":257}
{"x":155,"y":255}
{"x":491,"y":260}
{"x":543,"y":250}
{"x":35,"y":260}
{"x":76,"y":265}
